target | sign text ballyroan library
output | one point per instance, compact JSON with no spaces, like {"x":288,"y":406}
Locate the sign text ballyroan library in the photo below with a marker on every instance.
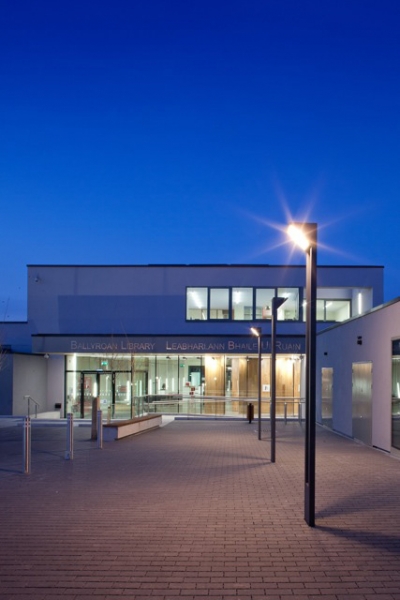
{"x":178,"y":346}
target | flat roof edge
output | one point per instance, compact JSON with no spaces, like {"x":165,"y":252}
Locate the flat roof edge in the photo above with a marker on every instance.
{"x":208,"y":265}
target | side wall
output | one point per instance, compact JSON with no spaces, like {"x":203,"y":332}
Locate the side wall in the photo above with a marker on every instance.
{"x":30,"y":379}
{"x":55,"y":383}
{"x":6,"y":385}
{"x":338,"y":348}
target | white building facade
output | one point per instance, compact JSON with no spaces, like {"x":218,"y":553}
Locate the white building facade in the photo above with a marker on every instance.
{"x":358,"y":377}
{"x":156,"y":332}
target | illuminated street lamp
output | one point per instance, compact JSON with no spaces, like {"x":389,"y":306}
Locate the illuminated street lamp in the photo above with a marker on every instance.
{"x":305,"y":236}
{"x":258,"y":333}
{"x":276,"y":303}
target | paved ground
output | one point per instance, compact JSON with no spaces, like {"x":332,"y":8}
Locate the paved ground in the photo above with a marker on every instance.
{"x":195,"y":511}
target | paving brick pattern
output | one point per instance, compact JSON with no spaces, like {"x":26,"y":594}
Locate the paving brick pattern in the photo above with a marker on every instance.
{"x":194,"y":511}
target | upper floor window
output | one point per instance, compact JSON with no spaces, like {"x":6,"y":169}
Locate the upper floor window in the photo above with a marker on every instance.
{"x":331,"y":310}
{"x":219,"y":303}
{"x":255,"y":304}
{"x":196,"y":304}
{"x":289,"y":311}
{"x":240,"y":303}
{"x":264,"y":303}
{"x":335,"y":310}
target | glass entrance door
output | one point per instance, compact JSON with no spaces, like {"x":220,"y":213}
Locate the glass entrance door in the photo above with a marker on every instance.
{"x":96,"y":385}
{"x":115,"y":390}
{"x":106,"y":391}
{"x":123,"y":394}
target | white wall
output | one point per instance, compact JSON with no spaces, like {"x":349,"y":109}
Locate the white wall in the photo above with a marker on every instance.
{"x":152,"y":299}
{"x":337,"y":348}
{"x":29,"y":379}
{"x":55,"y":382}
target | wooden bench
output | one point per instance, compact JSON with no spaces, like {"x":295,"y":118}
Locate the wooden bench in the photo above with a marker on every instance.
{"x":120,"y":429}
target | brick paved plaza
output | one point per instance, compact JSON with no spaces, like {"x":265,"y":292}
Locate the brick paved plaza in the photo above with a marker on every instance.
{"x":195,"y":510}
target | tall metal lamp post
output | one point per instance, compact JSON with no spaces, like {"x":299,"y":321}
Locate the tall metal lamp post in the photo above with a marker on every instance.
{"x":276,"y":303}
{"x":305,"y":236}
{"x":258,"y":332}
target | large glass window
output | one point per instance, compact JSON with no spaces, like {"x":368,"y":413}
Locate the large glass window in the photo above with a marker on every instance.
{"x":337,"y":310}
{"x":219,"y":303}
{"x":331,"y":310}
{"x":196,"y":304}
{"x":320,"y":310}
{"x":242,"y":304}
{"x":289,"y":311}
{"x":396,"y":395}
{"x":264,"y":303}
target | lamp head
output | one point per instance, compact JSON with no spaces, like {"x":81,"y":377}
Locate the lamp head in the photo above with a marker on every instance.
{"x":304,"y":235}
{"x":256,"y":331}
{"x":277,"y":301}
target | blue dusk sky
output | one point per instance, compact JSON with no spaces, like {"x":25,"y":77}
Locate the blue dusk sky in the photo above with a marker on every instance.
{"x":157,"y":131}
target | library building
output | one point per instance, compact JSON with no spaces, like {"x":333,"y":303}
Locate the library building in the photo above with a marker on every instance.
{"x":171,"y":338}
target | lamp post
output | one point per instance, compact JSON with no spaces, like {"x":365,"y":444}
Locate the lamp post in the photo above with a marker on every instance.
{"x":258,"y":332}
{"x":305,"y":236}
{"x":276,"y":303}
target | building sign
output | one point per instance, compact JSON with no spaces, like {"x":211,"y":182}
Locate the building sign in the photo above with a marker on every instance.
{"x":163,"y":344}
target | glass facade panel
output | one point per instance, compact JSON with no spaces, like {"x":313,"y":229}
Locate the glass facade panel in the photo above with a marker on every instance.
{"x":242,"y":304}
{"x":320,"y":310}
{"x":219,"y":303}
{"x":176,"y":384}
{"x":396,"y":402}
{"x":191,"y":376}
{"x":289,"y":311}
{"x":105,"y":391}
{"x":196,"y":304}
{"x":331,"y":310}
{"x":167,"y":375}
{"x":264,"y":303}
{"x":73,"y":393}
{"x":337,"y":310}
{"x":123,"y":394}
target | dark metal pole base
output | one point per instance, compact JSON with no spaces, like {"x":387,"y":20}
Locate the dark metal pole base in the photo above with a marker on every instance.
{"x":309,"y":506}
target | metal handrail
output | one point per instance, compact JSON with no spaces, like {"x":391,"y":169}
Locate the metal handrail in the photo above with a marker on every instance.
{"x":197,"y":404}
{"x":30,"y":399}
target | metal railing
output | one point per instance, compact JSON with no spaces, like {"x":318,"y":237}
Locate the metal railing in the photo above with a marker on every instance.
{"x":214,"y":406}
{"x":287,"y":407}
{"x":36,"y":405}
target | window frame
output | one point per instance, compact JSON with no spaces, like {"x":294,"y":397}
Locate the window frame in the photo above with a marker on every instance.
{"x":254,"y":318}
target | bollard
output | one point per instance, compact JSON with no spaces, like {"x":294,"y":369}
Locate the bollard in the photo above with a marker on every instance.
{"x":95,"y":408}
{"x":27,"y":445}
{"x":285,"y":412}
{"x":300,"y":411}
{"x":109,"y":415}
{"x":99,"y":429}
{"x":69,"y":452}
{"x":250,"y":412}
